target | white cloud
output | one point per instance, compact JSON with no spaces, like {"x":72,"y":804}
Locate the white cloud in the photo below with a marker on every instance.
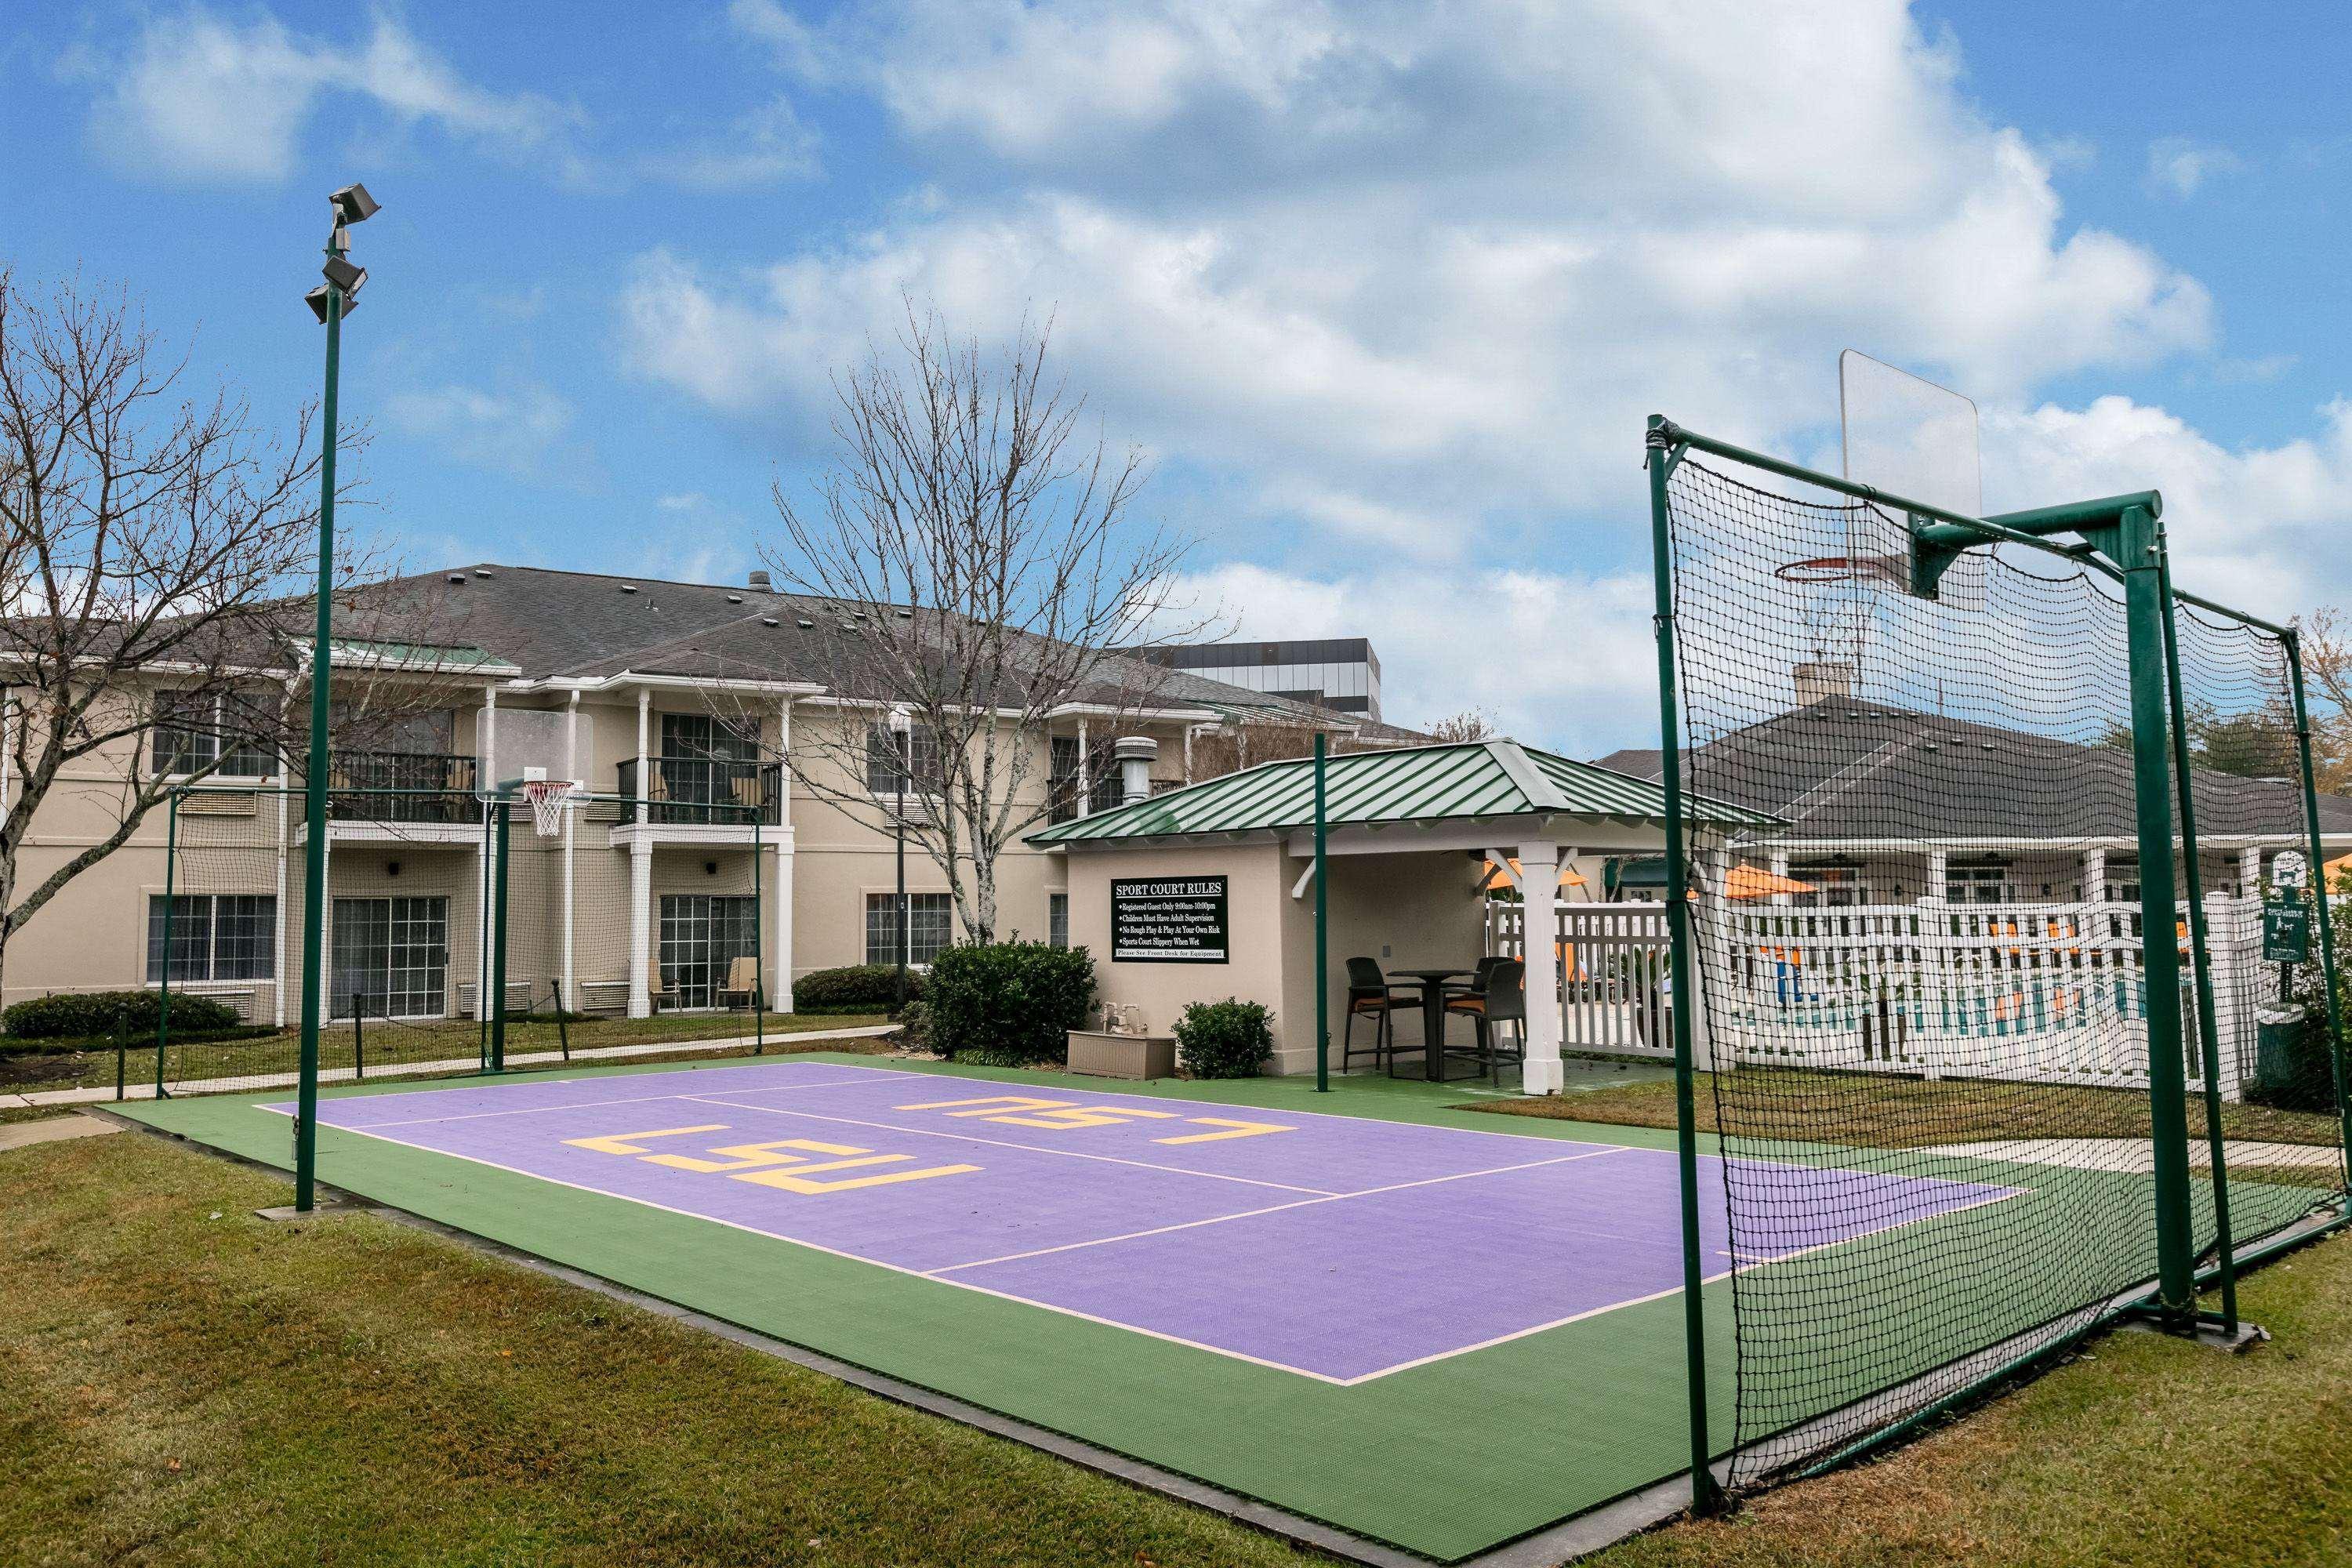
{"x":197,"y":94}
{"x":1563,"y":660}
{"x":1399,"y":273}
{"x":2259,"y":528}
{"x":521,"y":430}
{"x":2178,"y":167}
{"x":765,"y":146}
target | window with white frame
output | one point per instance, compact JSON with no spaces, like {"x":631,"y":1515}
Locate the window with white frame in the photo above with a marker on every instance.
{"x":930,"y":927}
{"x":882,"y":755}
{"x":192,"y":733}
{"x":214,"y":936}
{"x":1835,"y":886}
{"x":1986,"y":882}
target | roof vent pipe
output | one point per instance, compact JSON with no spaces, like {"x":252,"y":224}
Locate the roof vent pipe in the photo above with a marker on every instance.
{"x":1134,"y":754}
{"x":760,"y":580}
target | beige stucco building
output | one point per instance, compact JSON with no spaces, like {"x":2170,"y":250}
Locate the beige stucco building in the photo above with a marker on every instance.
{"x":673,"y":705}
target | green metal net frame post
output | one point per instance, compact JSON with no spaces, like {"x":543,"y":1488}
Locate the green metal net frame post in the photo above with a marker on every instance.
{"x":2121,"y":538}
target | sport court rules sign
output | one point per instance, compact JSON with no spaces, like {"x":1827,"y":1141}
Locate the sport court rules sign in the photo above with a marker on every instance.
{"x":1168,"y":919}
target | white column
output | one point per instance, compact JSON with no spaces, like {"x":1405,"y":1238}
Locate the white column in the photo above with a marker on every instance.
{"x":2094,"y":876}
{"x":1939,"y":867}
{"x":482,"y":921}
{"x":1781,"y":869}
{"x":644,"y":783}
{"x":326,"y":921}
{"x":780,"y":971}
{"x":1187,"y":753}
{"x":1085,"y":777}
{"x":571,"y":999}
{"x":641,"y":925}
{"x":2249,"y":871}
{"x":277,"y":1007}
{"x":489,"y":738}
{"x":1539,"y":886}
{"x":1711,"y":926}
{"x":784,"y":763}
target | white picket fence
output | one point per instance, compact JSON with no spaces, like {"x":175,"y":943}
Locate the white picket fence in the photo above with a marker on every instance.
{"x":2034,"y":993}
{"x":1612,"y":965}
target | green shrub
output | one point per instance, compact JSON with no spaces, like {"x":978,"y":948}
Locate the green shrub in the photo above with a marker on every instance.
{"x":1231,"y":1038}
{"x":853,"y":988}
{"x":97,"y":1014}
{"x":1012,"y":1002}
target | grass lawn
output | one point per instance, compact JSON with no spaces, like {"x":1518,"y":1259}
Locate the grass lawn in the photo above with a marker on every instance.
{"x":92,"y":1063}
{"x":181,"y":1382}
{"x":2146,"y":1452}
{"x":1884,"y":1111}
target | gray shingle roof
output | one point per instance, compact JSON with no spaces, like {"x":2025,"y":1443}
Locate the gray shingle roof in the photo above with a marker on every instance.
{"x":581,"y":624}
{"x":1846,"y":770}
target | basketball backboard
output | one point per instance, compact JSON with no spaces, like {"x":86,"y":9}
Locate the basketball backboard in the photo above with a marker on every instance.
{"x":1910,"y":438}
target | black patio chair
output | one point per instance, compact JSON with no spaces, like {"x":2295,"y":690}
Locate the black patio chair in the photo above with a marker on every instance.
{"x":1369,"y":995}
{"x":1503,"y":999}
{"x":1478,"y":981}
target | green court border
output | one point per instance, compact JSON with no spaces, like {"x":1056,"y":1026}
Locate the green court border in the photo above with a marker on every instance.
{"x":1444,"y":1460}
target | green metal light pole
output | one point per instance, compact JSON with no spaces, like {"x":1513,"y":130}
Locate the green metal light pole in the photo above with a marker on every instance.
{"x":330,"y":301}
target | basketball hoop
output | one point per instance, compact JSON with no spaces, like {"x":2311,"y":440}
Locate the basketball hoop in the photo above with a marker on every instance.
{"x":1825,"y":569}
{"x":548,"y":798}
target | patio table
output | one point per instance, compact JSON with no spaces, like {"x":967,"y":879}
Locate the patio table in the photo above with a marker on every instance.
{"x":1432,"y":983}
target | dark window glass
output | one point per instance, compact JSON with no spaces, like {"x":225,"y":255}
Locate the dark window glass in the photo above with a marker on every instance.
{"x":930,"y":927}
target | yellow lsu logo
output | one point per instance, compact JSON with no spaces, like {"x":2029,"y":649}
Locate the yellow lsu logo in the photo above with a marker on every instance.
{"x":1059,"y":1115}
{"x":792,"y":1164}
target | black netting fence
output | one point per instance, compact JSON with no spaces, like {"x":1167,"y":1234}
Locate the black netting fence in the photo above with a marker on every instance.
{"x":1932,"y":1006}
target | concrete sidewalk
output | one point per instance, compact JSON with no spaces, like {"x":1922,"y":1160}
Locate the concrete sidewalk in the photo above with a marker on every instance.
{"x":98,"y":1093}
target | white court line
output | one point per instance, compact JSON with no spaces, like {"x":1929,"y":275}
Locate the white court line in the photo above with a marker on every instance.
{"x":873,"y":1262}
{"x":1229,"y":1354}
{"x":1277,"y":1208}
{"x":1008,"y":1143}
{"x":544,"y":1109}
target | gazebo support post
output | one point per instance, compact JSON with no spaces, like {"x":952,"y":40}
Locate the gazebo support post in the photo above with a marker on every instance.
{"x":1322,"y":932}
{"x":1539,"y":886}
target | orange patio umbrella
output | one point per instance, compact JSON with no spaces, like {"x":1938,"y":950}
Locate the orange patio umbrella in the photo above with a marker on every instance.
{"x":1496,"y":881}
{"x":1755,"y":882}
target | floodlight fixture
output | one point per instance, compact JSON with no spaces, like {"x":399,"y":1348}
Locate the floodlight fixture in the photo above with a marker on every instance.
{"x":345,"y":275}
{"x":316,"y":300}
{"x":354,"y":204}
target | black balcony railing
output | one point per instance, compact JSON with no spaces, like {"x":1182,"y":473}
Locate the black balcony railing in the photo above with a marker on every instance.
{"x":707,"y":790}
{"x":402,"y":786}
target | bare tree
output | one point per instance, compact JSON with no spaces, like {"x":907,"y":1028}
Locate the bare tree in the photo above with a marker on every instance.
{"x":977,"y":568}
{"x":1470,"y":724}
{"x":2327,"y":664}
{"x":152,"y":543}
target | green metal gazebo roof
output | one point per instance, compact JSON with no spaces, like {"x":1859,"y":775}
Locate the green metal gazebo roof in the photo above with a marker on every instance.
{"x":1470,"y":781}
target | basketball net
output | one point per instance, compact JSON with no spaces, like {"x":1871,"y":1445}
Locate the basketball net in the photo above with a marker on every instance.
{"x":548,"y":797}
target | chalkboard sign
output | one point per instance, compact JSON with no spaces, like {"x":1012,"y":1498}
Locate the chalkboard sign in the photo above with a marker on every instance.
{"x":2286,"y":932}
{"x":1168,"y":919}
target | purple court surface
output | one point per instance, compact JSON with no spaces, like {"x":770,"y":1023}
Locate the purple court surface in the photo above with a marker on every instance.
{"x":1342,"y":1248}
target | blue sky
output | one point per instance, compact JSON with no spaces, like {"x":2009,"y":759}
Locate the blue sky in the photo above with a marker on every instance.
{"x":1383,"y":291}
